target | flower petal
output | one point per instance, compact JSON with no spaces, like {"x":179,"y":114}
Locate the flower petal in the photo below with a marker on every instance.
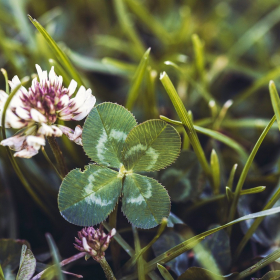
{"x":23,"y":113}
{"x":56,"y":131}
{"x":72,"y":87}
{"x":45,"y":130}
{"x":86,"y":107}
{"x":37,"y":116}
{"x":35,"y":141}
{"x":52,"y":76}
{"x":15,"y":143}
{"x":28,"y":152}
{"x":15,"y":82}
{"x":39,"y":71}
{"x":13,"y":121}
{"x":75,"y":136}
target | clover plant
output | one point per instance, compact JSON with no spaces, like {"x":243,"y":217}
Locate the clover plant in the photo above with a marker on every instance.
{"x":120,"y":149}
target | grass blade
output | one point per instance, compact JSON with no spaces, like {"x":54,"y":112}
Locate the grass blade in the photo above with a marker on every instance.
{"x":262,"y":81}
{"x":259,"y":265}
{"x":4,"y":72}
{"x":1,"y":273}
{"x":204,"y":93}
{"x":12,"y":159}
{"x":149,"y":20}
{"x":164,"y":272}
{"x":215,"y":135}
{"x":61,"y":57}
{"x":275,"y":100}
{"x":127,"y":26}
{"x":186,"y":122}
{"x":139,"y":75}
{"x":231,"y":176}
{"x":198,"y":47}
{"x":19,"y":11}
{"x":94,"y":65}
{"x":133,"y":260}
{"x":128,"y":249}
{"x":256,"y":223}
{"x":215,"y":168}
{"x":190,"y":243}
{"x":246,"y":169}
{"x":254,"y":34}
{"x":55,"y":256}
{"x":140,"y":264}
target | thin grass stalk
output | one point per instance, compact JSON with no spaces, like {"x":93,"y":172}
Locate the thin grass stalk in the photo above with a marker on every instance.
{"x":114,"y":246}
{"x":255,"y":225}
{"x":187,"y":123}
{"x":127,"y":26}
{"x":246,"y":170}
{"x":140,"y":264}
{"x":58,"y":156}
{"x":11,"y":158}
{"x":51,"y":163}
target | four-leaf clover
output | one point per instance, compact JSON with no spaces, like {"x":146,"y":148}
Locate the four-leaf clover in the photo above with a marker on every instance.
{"x":119,"y":147}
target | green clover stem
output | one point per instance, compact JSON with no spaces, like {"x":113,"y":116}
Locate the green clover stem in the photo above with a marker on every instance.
{"x":107,"y":269}
{"x":58,"y":155}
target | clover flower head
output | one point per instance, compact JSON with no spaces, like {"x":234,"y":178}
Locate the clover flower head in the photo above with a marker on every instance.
{"x":35,"y":111}
{"x":94,"y":241}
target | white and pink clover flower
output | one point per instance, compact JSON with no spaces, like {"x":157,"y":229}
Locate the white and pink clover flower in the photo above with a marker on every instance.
{"x":36,"y":110}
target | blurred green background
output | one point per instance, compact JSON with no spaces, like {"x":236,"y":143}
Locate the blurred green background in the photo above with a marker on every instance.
{"x":212,"y":51}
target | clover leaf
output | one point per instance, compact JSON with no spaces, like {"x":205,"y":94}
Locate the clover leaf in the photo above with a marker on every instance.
{"x":112,"y":139}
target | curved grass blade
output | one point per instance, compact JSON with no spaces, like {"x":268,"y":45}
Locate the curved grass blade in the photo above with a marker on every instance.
{"x":137,"y":80}
{"x":164,"y":272}
{"x":256,"y":224}
{"x":231,"y":176}
{"x":19,"y":10}
{"x":133,"y":260}
{"x":145,"y":201}
{"x":151,"y":146}
{"x":4,"y":72}
{"x":149,"y":20}
{"x":254,"y":34}
{"x":12,"y":159}
{"x":246,"y":169}
{"x":275,"y":100}
{"x":137,"y":246}
{"x":203,"y":92}
{"x":128,"y":250}
{"x":127,"y":26}
{"x":55,"y":270}
{"x":262,"y":81}
{"x":215,"y":135}
{"x":190,"y":243}
{"x":94,"y":65}
{"x":198,"y":273}
{"x":105,"y":131}
{"x":61,"y":57}
{"x":1,"y":273}
{"x":87,"y":198}
{"x":215,"y":168}
{"x":198,"y":47}
{"x":187,"y":123}
{"x":259,"y":265}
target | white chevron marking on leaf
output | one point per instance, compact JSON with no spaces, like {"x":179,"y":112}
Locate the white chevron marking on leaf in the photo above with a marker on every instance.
{"x":154,"y":156}
{"x":100,"y":147}
{"x":134,"y":149}
{"x":136,"y":200}
{"x":118,"y":135}
{"x":96,"y":199}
